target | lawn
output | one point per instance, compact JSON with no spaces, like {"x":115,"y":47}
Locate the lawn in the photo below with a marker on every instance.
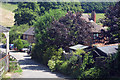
{"x":98,"y":16}
{"x":10,"y":7}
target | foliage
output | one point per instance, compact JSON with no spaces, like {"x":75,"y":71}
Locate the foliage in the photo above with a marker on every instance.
{"x":51,"y":65}
{"x":18,"y":43}
{"x":55,"y":59}
{"x":25,"y":43}
{"x":90,"y":73}
{"x":42,"y":48}
{"x":99,"y":7}
{"x":74,"y":66}
{"x":112,"y":19}
{"x":69,"y":30}
{"x":14,"y":67}
{"x":79,"y":52}
{"x":65,"y":6}
{"x":28,"y":12}
{"x":63,"y":68}
{"x":17,"y":31}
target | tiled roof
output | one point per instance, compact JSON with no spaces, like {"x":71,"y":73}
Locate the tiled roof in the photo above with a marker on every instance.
{"x":3,"y":29}
{"x":86,"y":17}
{"x":30,"y":31}
{"x":96,"y":27}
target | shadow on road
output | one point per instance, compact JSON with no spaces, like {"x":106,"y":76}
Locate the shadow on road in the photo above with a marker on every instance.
{"x":30,"y":64}
{"x":13,"y":51}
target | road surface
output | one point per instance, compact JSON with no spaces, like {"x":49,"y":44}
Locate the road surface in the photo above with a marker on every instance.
{"x":32,"y":69}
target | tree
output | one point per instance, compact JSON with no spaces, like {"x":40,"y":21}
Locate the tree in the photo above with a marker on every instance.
{"x":112,"y":20}
{"x":69,"y":30}
{"x":17,"y":31}
{"x":65,"y":6}
{"x":99,"y":7}
{"x":26,"y":13}
{"x":54,"y":31}
{"x":18,"y":43}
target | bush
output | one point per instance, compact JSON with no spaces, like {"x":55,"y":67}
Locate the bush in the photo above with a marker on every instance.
{"x":25,"y":43}
{"x":51,"y":65}
{"x":90,"y":73}
{"x":19,"y":44}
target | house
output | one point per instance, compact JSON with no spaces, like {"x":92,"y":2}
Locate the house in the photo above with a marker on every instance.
{"x":98,"y":31}
{"x":29,"y":35}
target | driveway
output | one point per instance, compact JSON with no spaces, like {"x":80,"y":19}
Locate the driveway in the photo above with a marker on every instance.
{"x":32,"y":69}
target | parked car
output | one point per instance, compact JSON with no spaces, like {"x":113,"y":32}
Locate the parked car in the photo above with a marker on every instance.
{"x":25,"y":49}
{"x":3,"y":46}
{"x":11,"y":46}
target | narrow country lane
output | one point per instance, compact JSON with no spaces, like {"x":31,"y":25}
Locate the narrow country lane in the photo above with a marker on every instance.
{"x":32,"y":69}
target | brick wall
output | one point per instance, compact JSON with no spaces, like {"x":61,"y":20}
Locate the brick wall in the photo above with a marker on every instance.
{"x":29,"y":38}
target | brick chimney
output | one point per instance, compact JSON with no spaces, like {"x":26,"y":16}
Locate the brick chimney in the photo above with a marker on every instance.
{"x":93,"y":16}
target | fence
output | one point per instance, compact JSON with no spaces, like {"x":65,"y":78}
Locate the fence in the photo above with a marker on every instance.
{"x":4,"y":64}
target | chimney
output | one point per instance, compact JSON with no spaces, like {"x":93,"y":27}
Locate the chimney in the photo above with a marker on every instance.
{"x":93,"y":16}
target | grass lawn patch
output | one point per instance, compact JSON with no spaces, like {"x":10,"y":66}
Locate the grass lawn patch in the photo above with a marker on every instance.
{"x":98,"y":16}
{"x":10,"y":7}
{"x":6,"y":14}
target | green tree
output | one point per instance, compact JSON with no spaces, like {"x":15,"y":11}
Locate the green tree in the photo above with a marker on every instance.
{"x":18,"y":43}
{"x":26,"y":13}
{"x":17,"y":31}
{"x":99,"y":7}
{"x":42,"y":50}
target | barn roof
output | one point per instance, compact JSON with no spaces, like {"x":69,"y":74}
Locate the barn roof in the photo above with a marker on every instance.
{"x":30,"y":31}
{"x":3,"y":29}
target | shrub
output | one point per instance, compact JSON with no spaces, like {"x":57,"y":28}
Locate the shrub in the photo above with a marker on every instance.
{"x":90,"y":73}
{"x":51,"y":65}
{"x":25,"y":43}
{"x":48,"y":54}
{"x":19,"y":44}
{"x":63,"y":67}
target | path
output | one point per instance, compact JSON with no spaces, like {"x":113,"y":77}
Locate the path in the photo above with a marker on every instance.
{"x":32,"y":69}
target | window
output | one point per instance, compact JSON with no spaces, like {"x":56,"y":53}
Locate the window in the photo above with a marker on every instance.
{"x":95,"y":35}
{"x":26,"y":36}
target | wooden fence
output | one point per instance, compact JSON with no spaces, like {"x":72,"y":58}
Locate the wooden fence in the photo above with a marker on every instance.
{"x":4,"y":64}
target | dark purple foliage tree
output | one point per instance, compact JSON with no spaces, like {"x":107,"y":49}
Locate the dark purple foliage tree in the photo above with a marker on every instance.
{"x":70,"y":30}
{"x":113,"y":21}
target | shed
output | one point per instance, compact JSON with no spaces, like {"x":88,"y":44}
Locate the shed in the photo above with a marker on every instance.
{"x":76,"y":47}
{"x":107,"y":50}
